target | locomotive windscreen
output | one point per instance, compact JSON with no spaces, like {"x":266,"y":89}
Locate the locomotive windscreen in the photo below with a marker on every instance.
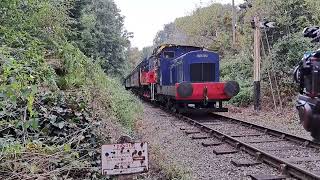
{"x":202,"y":72}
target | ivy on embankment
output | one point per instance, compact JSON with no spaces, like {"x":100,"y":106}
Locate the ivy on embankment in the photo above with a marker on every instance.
{"x":53,"y":98}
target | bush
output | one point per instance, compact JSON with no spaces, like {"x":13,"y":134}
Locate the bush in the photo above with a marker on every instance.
{"x":286,"y":54}
{"x":239,"y":68}
{"x":53,"y":98}
{"x":245,"y":96}
{"x":114,"y":99}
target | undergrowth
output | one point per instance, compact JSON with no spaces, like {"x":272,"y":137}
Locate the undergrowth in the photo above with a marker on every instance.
{"x":52,"y":97}
{"x":170,"y":170}
{"x":236,"y":68}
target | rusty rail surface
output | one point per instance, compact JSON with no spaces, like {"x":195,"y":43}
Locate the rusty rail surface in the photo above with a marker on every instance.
{"x":263,"y":156}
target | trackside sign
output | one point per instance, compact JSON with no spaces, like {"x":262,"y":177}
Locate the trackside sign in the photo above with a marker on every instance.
{"x":127,"y":158}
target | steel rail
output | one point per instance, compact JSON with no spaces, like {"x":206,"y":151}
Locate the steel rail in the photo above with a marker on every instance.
{"x":273,"y":132}
{"x":284,"y":166}
{"x":263,"y":156}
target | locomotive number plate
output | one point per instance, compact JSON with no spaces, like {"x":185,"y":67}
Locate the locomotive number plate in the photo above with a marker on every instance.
{"x":202,"y":55}
{"x":128,"y":158}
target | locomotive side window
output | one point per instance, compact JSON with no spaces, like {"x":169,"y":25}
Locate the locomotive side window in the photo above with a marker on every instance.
{"x":202,"y":72}
{"x":208,"y":73}
{"x":196,"y":72}
{"x":168,"y":54}
{"x":171,"y":74}
{"x":180,"y":73}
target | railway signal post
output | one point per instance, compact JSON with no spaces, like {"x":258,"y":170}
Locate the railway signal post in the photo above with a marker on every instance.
{"x":233,"y":24}
{"x":257,"y":64}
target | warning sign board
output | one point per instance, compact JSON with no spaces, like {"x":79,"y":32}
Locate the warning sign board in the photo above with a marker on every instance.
{"x":128,"y":158}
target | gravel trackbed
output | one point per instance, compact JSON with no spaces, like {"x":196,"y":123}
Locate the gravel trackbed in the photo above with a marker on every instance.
{"x":162,"y":132}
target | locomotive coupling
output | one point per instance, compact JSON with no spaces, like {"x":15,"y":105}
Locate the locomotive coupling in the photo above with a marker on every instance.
{"x":231,"y":88}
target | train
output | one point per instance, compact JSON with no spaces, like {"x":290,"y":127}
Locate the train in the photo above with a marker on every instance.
{"x":182,"y":78}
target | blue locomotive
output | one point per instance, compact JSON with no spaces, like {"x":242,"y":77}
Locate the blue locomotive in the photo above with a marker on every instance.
{"x":182,"y":77}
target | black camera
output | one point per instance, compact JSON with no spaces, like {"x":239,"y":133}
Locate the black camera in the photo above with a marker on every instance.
{"x":307,"y":76}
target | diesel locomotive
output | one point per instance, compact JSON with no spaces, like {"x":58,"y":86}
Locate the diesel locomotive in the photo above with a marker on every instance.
{"x":182,"y":78}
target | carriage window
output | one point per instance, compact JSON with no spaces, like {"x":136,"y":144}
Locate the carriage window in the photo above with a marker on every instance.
{"x":168,"y":54}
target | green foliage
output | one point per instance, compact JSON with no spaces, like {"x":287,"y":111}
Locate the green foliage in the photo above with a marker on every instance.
{"x":134,"y":56}
{"x":48,"y":87}
{"x":123,"y":104}
{"x":102,"y":35}
{"x":245,"y":96}
{"x":288,"y":51}
{"x":286,"y":54}
{"x":212,"y":27}
{"x":82,"y":72}
{"x":239,"y":68}
{"x":170,"y":34}
{"x":290,"y":16}
{"x":147,"y":51}
{"x":313,"y":7}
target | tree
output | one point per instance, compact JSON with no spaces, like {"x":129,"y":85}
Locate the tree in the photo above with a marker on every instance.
{"x":286,"y":54}
{"x":170,"y":35}
{"x":210,"y":27}
{"x":103,"y":36}
{"x":134,"y":57}
{"x":147,"y":51}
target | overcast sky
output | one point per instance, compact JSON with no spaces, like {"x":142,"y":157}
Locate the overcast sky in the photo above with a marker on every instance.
{"x":146,"y":17}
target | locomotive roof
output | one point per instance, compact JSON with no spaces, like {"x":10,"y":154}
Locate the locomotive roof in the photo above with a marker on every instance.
{"x":159,"y":49}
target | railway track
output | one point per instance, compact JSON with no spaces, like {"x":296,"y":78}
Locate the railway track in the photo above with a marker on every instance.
{"x":293,"y":156}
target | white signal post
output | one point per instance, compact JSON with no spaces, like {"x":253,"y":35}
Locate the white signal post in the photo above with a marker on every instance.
{"x":257,"y":64}
{"x":233,"y":24}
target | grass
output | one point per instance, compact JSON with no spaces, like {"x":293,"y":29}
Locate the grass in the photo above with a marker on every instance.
{"x":104,"y":93}
{"x":171,"y":170}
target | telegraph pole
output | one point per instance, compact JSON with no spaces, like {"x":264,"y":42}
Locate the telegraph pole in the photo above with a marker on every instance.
{"x":257,"y":64}
{"x":233,"y":24}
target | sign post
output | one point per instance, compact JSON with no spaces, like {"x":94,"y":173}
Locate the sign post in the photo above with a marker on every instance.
{"x":234,"y":20}
{"x":257,"y":64}
{"x":256,"y":25}
{"x":124,"y":158}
